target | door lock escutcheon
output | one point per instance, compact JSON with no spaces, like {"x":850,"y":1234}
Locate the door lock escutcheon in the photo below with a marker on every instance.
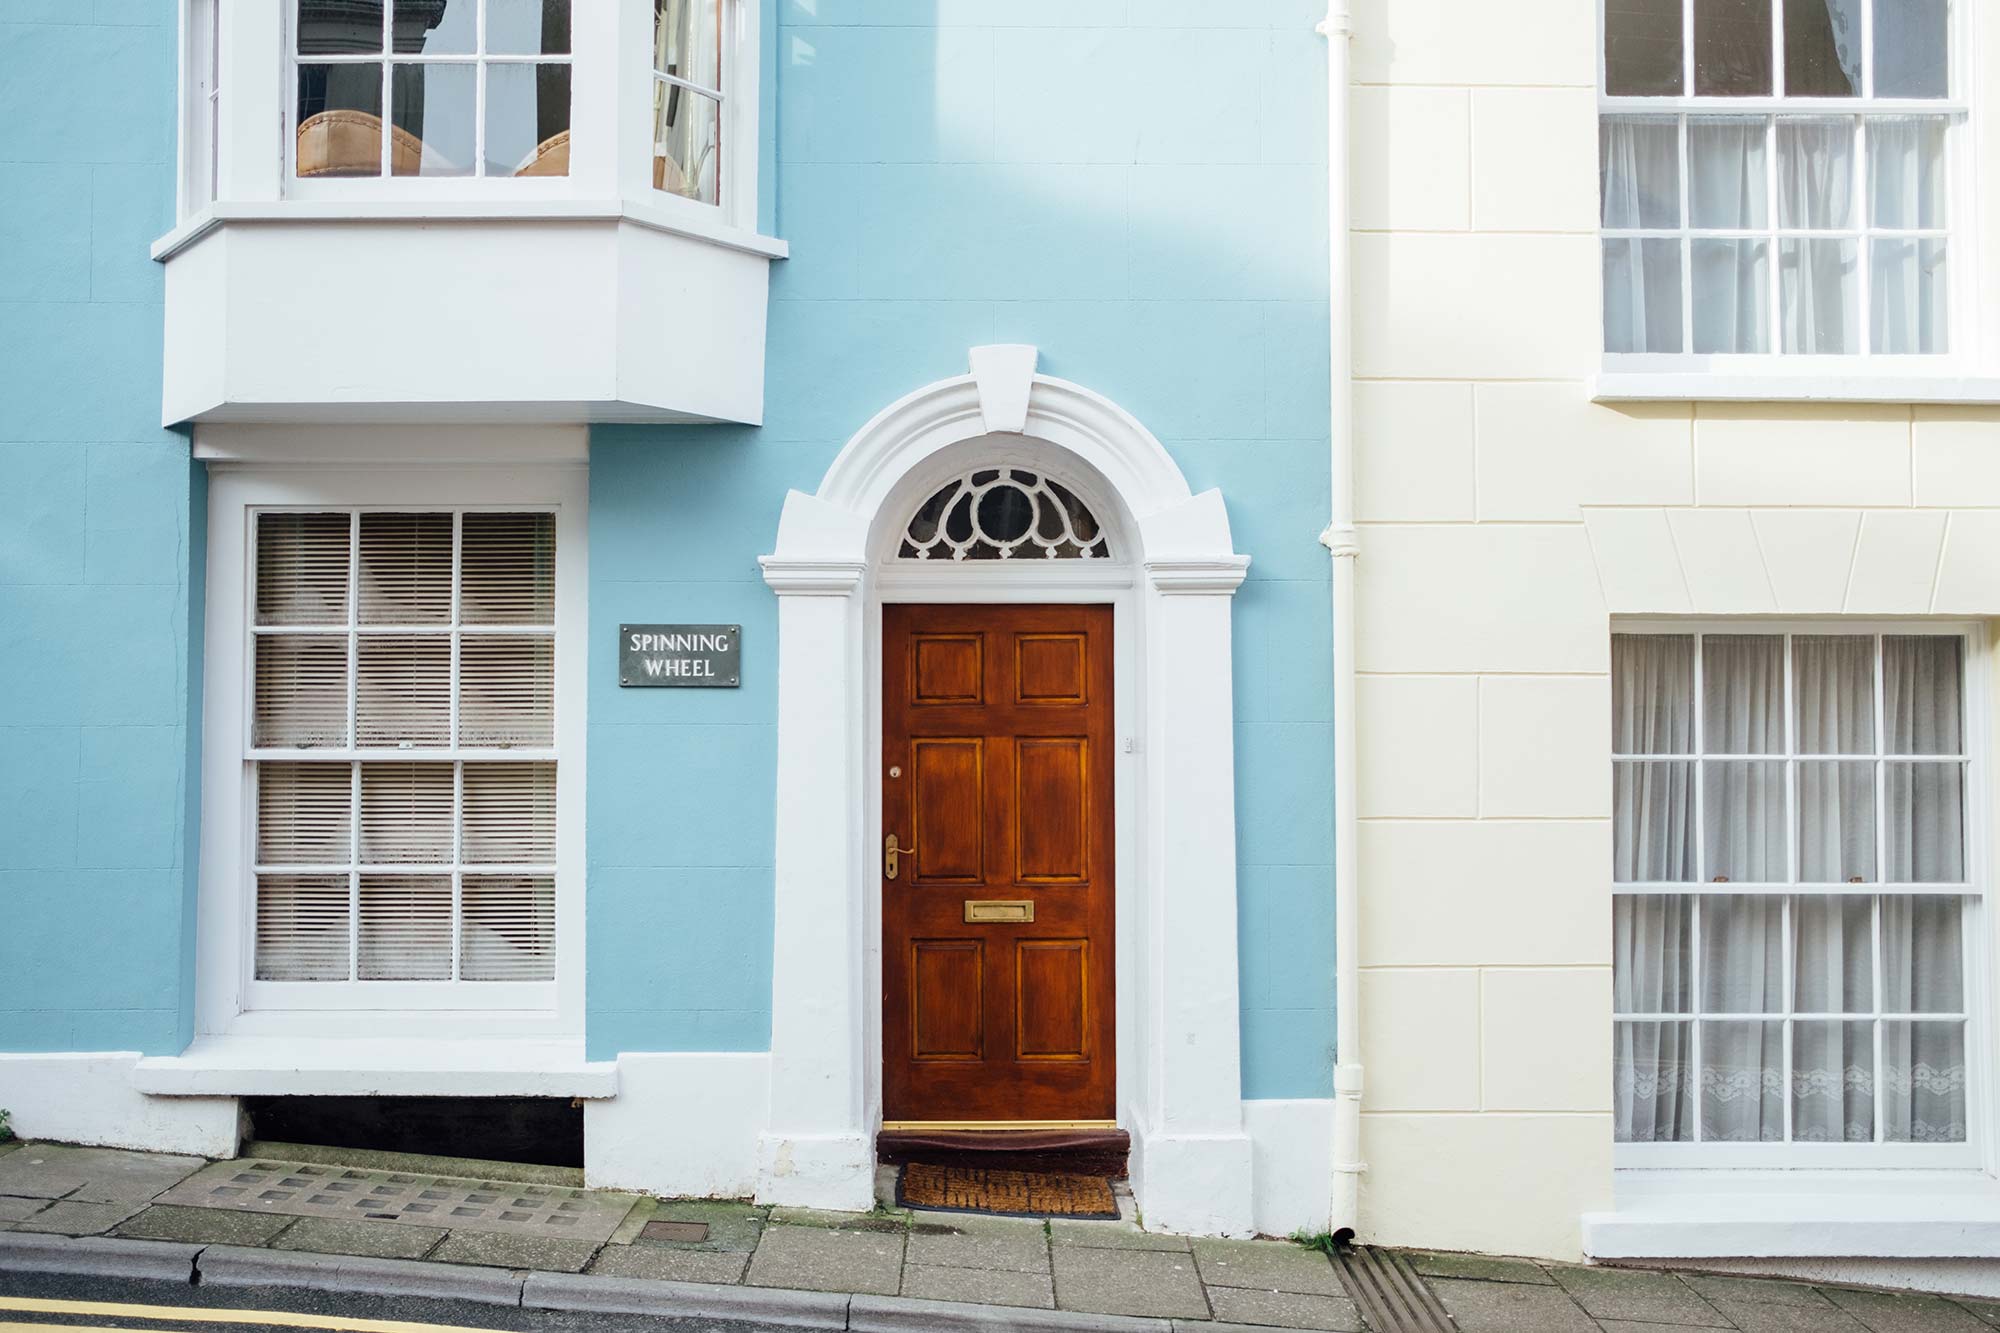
{"x":890,"y":855}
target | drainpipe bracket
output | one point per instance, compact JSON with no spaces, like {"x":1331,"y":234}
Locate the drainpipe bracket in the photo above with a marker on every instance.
{"x":1347,"y":1080}
{"x":1335,"y":24}
{"x":1342,"y":539}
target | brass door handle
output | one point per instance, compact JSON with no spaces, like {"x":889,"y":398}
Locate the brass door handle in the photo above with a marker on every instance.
{"x":890,"y":853}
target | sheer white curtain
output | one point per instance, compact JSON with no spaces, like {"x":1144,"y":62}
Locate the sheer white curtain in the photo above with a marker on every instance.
{"x":1817,"y":276}
{"x":1639,"y":176}
{"x":1821,"y":964}
{"x":1908,"y":311}
{"x":1727,"y":174}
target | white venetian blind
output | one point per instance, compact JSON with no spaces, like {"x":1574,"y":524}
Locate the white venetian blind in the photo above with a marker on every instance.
{"x":510,"y":928}
{"x":414,"y":654}
{"x":510,"y":814}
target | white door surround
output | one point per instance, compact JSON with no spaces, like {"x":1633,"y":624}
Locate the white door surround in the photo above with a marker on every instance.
{"x":1172,"y":574}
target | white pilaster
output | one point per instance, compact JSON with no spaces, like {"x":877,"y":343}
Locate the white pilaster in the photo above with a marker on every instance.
{"x":817,"y":1151}
{"x":1194,"y":1170}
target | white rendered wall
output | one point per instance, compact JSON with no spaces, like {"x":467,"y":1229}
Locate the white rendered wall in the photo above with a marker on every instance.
{"x":1505,"y":520}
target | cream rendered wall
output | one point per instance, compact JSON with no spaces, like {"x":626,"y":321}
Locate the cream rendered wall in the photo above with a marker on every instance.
{"x":1506,"y":518}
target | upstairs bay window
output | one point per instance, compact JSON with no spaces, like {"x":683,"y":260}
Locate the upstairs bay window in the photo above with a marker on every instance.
{"x":1777,"y":179}
{"x":431,"y":88}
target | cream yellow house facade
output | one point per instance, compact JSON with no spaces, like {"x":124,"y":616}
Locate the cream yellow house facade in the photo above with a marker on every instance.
{"x":1527,"y":490}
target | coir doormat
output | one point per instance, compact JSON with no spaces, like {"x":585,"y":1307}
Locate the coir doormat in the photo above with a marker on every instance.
{"x":976,"y":1189}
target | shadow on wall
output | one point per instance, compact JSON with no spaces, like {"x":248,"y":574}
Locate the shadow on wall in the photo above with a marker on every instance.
{"x":1144,"y":200}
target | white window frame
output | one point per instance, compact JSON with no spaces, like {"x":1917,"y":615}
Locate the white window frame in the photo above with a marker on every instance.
{"x":1977,"y":927}
{"x":1965,"y":326}
{"x":201,"y":106}
{"x":229,"y":999}
{"x":391,"y":186}
{"x":733,"y":158}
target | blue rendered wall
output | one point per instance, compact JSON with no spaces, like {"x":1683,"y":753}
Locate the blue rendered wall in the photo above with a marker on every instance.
{"x":99,"y":572}
{"x":1142,"y":197}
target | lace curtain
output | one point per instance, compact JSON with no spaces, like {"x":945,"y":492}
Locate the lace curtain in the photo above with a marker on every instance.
{"x":1867,"y":988}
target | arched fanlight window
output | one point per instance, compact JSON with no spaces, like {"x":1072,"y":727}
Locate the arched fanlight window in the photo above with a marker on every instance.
{"x":1001,"y":513}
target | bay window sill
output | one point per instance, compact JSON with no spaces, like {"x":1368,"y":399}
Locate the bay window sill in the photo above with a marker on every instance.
{"x":1826,"y":387}
{"x":1894,"y":1214}
{"x":238,"y":1066}
{"x":671,"y":216}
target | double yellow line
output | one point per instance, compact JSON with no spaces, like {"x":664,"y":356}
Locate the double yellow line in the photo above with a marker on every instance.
{"x":201,"y":1315}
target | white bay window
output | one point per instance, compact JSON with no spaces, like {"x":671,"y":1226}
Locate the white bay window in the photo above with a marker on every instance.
{"x":1778,"y":181}
{"x":1796,"y":897}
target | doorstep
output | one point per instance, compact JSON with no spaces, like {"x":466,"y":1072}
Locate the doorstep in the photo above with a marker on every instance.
{"x":1910,"y":1214}
{"x":377,"y":1067}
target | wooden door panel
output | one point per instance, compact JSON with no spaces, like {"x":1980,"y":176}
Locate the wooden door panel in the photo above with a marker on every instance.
{"x":947,"y":783}
{"x":1051,"y":810}
{"x":997,"y":768}
{"x":948,"y":999}
{"x":1051,"y":669}
{"x":949,"y":669}
{"x":1052,"y":979}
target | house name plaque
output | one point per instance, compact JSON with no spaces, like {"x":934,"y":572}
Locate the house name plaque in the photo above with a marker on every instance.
{"x":680,"y":656}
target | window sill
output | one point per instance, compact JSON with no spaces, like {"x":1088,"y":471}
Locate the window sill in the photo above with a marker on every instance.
{"x":673,"y":217}
{"x":1798,"y":1214}
{"x":1703,"y":387}
{"x":237,"y":1066}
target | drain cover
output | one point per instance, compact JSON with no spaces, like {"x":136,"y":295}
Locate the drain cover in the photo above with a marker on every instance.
{"x":679,"y":1231}
{"x":1391,"y":1297}
{"x":301,"y":1189}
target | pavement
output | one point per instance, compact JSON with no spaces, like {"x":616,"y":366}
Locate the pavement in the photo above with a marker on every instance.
{"x":388,"y":1226}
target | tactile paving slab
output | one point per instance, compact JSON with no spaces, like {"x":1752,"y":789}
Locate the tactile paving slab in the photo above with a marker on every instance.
{"x":301,"y":1189}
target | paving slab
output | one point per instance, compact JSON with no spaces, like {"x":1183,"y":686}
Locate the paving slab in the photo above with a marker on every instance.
{"x":811,"y":1258}
{"x":202,"y":1226}
{"x":373,"y":1240}
{"x":731,"y":1225}
{"x":1286,"y":1309}
{"x":1510,"y":1307}
{"x":495,"y":1249}
{"x":982,"y":1286}
{"x":1754,"y":1290}
{"x":660,"y":1263}
{"x":78,"y":1219}
{"x":1790,"y":1318}
{"x":1111,"y":1236}
{"x":1638,"y":1294}
{"x":880,"y":1220}
{"x":1480,"y":1268}
{"x":1134,"y":1282}
{"x":1267,"y":1265}
{"x":92,"y":1175}
{"x":1989,"y":1311}
{"x":19,"y":1210}
{"x":1904,"y":1312}
{"x":1010,"y":1244}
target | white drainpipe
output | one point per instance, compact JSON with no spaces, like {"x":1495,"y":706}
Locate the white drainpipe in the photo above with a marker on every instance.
{"x":1341,"y":539}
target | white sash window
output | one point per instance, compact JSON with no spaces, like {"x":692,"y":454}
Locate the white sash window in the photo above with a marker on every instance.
{"x":1782,"y":182}
{"x":392,"y":791}
{"x":402,"y":732}
{"x":1795,"y":922}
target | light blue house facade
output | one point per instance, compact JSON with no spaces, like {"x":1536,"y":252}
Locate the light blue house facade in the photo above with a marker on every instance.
{"x":319,"y":774}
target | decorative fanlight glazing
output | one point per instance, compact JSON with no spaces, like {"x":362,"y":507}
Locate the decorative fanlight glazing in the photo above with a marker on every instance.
{"x":999,"y":513}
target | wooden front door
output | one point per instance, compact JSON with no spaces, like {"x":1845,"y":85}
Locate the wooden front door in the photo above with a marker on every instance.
{"x":997,"y":770}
